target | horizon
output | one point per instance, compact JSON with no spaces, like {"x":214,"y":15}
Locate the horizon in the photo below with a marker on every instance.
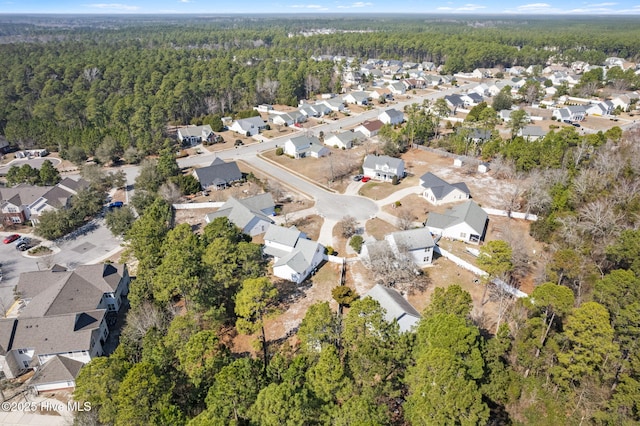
{"x":323,"y":8}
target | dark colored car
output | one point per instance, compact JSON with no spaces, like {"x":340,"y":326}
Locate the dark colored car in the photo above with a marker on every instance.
{"x":22,"y":246}
{"x":116,"y":205}
{"x":576,"y":124}
{"x":238,"y":143}
{"x":11,"y":238}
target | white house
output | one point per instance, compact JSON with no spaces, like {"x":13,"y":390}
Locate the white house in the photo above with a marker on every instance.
{"x":195,"y":134}
{"x":383,"y":167}
{"x":299,"y":146}
{"x":294,"y":256}
{"x":356,"y":98}
{"x":417,"y":242}
{"x":370,"y":128}
{"x":344,"y":140}
{"x":438,"y":191}
{"x":570,"y":113}
{"x":600,"y":108}
{"x":391,"y":116}
{"x":532,"y":133}
{"x":251,"y":215}
{"x":396,"y":307}
{"x":465,"y":222}
{"x":248,"y":126}
{"x":397,"y":88}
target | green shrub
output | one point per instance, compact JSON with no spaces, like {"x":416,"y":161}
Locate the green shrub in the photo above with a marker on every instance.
{"x":330,"y":251}
{"x":279,"y":151}
{"x":356,"y":243}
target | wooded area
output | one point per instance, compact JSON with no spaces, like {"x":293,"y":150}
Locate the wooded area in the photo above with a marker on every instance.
{"x":566,"y":355}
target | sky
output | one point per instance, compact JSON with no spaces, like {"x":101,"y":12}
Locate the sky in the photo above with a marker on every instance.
{"x":531,"y":7}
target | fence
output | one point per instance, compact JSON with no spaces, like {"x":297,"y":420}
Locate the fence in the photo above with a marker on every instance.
{"x":208,"y":205}
{"x":477,"y":271}
{"x":515,"y":215}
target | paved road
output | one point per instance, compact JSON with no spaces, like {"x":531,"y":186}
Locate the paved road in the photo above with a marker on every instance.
{"x":84,"y":249}
{"x":35,"y":162}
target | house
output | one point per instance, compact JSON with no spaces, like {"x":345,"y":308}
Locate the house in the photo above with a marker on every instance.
{"x":251,"y":214}
{"x":4,"y":146}
{"x":62,"y":314}
{"x":314,"y":110}
{"x":600,"y":108}
{"x":396,"y":307}
{"x":57,"y":373}
{"x":370,"y":128}
{"x":479,"y":135}
{"x":471,"y":99}
{"x":391,"y":116}
{"x":454,"y":101}
{"x":334,"y":104}
{"x":466,"y":222}
{"x":416,"y":242}
{"x":383,"y":167}
{"x":481,"y":89}
{"x":624,"y":101}
{"x":397,"y":88}
{"x":25,"y":202}
{"x":571,"y":113}
{"x":218,"y":174}
{"x":356,"y":98}
{"x":294,"y":256}
{"x":300,"y":146}
{"x":287,"y":118}
{"x":248,"y":126}
{"x":483,"y":167}
{"x":344,"y":140}
{"x":438,"y":192}
{"x":192,"y":135}
{"x":316,"y":150}
{"x":532,"y":133}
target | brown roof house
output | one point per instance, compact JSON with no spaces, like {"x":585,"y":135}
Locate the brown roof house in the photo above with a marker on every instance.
{"x":62,"y":322}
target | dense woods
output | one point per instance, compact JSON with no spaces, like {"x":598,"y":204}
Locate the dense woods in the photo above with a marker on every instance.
{"x":567,"y":355}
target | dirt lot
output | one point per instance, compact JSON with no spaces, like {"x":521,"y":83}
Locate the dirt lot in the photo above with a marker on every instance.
{"x":319,"y":169}
{"x":378,"y":228}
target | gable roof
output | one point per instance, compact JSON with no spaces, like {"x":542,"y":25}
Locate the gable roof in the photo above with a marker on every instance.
{"x":372,"y":125}
{"x":468,"y":212}
{"x":242,"y":212}
{"x":55,"y":293}
{"x":439,"y":187}
{"x":455,"y":100}
{"x":413,"y":239}
{"x":55,"y":370}
{"x":218,"y":173}
{"x":195,"y":131}
{"x":396,"y":307}
{"x":377,"y":162}
{"x":23,"y":194}
{"x":532,"y":131}
{"x":281,"y":235}
{"x":302,"y":255}
{"x":250,"y":123}
{"x":393,"y":114}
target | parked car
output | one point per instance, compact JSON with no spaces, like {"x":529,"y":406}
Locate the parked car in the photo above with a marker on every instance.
{"x":23,"y":246}
{"x":358,"y":178}
{"x":238,"y":143}
{"x":11,"y":238}
{"x":366,"y":179}
{"x":23,"y":240}
{"x":115,"y":205}
{"x":568,"y":121}
{"x":576,"y":124}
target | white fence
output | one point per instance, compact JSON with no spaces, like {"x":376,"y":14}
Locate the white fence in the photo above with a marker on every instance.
{"x":515,"y":215}
{"x":208,"y":205}
{"x":477,"y":271}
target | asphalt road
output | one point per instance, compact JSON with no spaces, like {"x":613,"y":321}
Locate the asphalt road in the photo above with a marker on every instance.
{"x":35,"y":162}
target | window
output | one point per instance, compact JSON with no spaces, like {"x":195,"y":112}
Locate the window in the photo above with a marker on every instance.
{"x":22,"y":351}
{"x":111,"y":307}
{"x":15,"y":219}
{"x":463,"y":235}
{"x":26,"y":364}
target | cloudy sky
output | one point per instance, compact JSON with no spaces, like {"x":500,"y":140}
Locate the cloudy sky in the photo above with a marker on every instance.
{"x":571,"y":7}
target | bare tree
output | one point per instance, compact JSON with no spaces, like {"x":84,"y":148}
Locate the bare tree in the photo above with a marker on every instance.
{"x":170,"y":192}
{"x":405,"y":219}
{"x":395,"y":268}
{"x":503,"y":168}
{"x":142,"y":319}
{"x":503,"y":300}
{"x":600,"y":219}
{"x":348,"y":226}
{"x":267,"y":90}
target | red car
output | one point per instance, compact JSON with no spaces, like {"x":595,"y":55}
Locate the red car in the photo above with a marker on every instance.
{"x":11,"y":238}
{"x":366,"y":179}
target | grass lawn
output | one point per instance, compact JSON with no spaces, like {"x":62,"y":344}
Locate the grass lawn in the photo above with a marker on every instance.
{"x":378,"y":228}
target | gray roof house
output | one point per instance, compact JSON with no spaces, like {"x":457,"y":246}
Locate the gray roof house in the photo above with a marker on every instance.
{"x":391,"y":116}
{"x":437,"y":191}
{"x":62,"y":314}
{"x":218,"y":174}
{"x":300,"y":146}
{"x":396,"y":307}
{"x":344,"y":140}
{"x":454,"y":101}
{"x":532,"y":133}
{"x":465,"y":222}
{"x":417,"y":242}
{"x":251,"y":214}
{"x":383,"y":167}
{"x":295,"y":257}
{"x":572,"y":113}
{"x":195,"y":134}
{"x":357,"y":98}
{"x":57,"y":373}
{"x":248,"y":126}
